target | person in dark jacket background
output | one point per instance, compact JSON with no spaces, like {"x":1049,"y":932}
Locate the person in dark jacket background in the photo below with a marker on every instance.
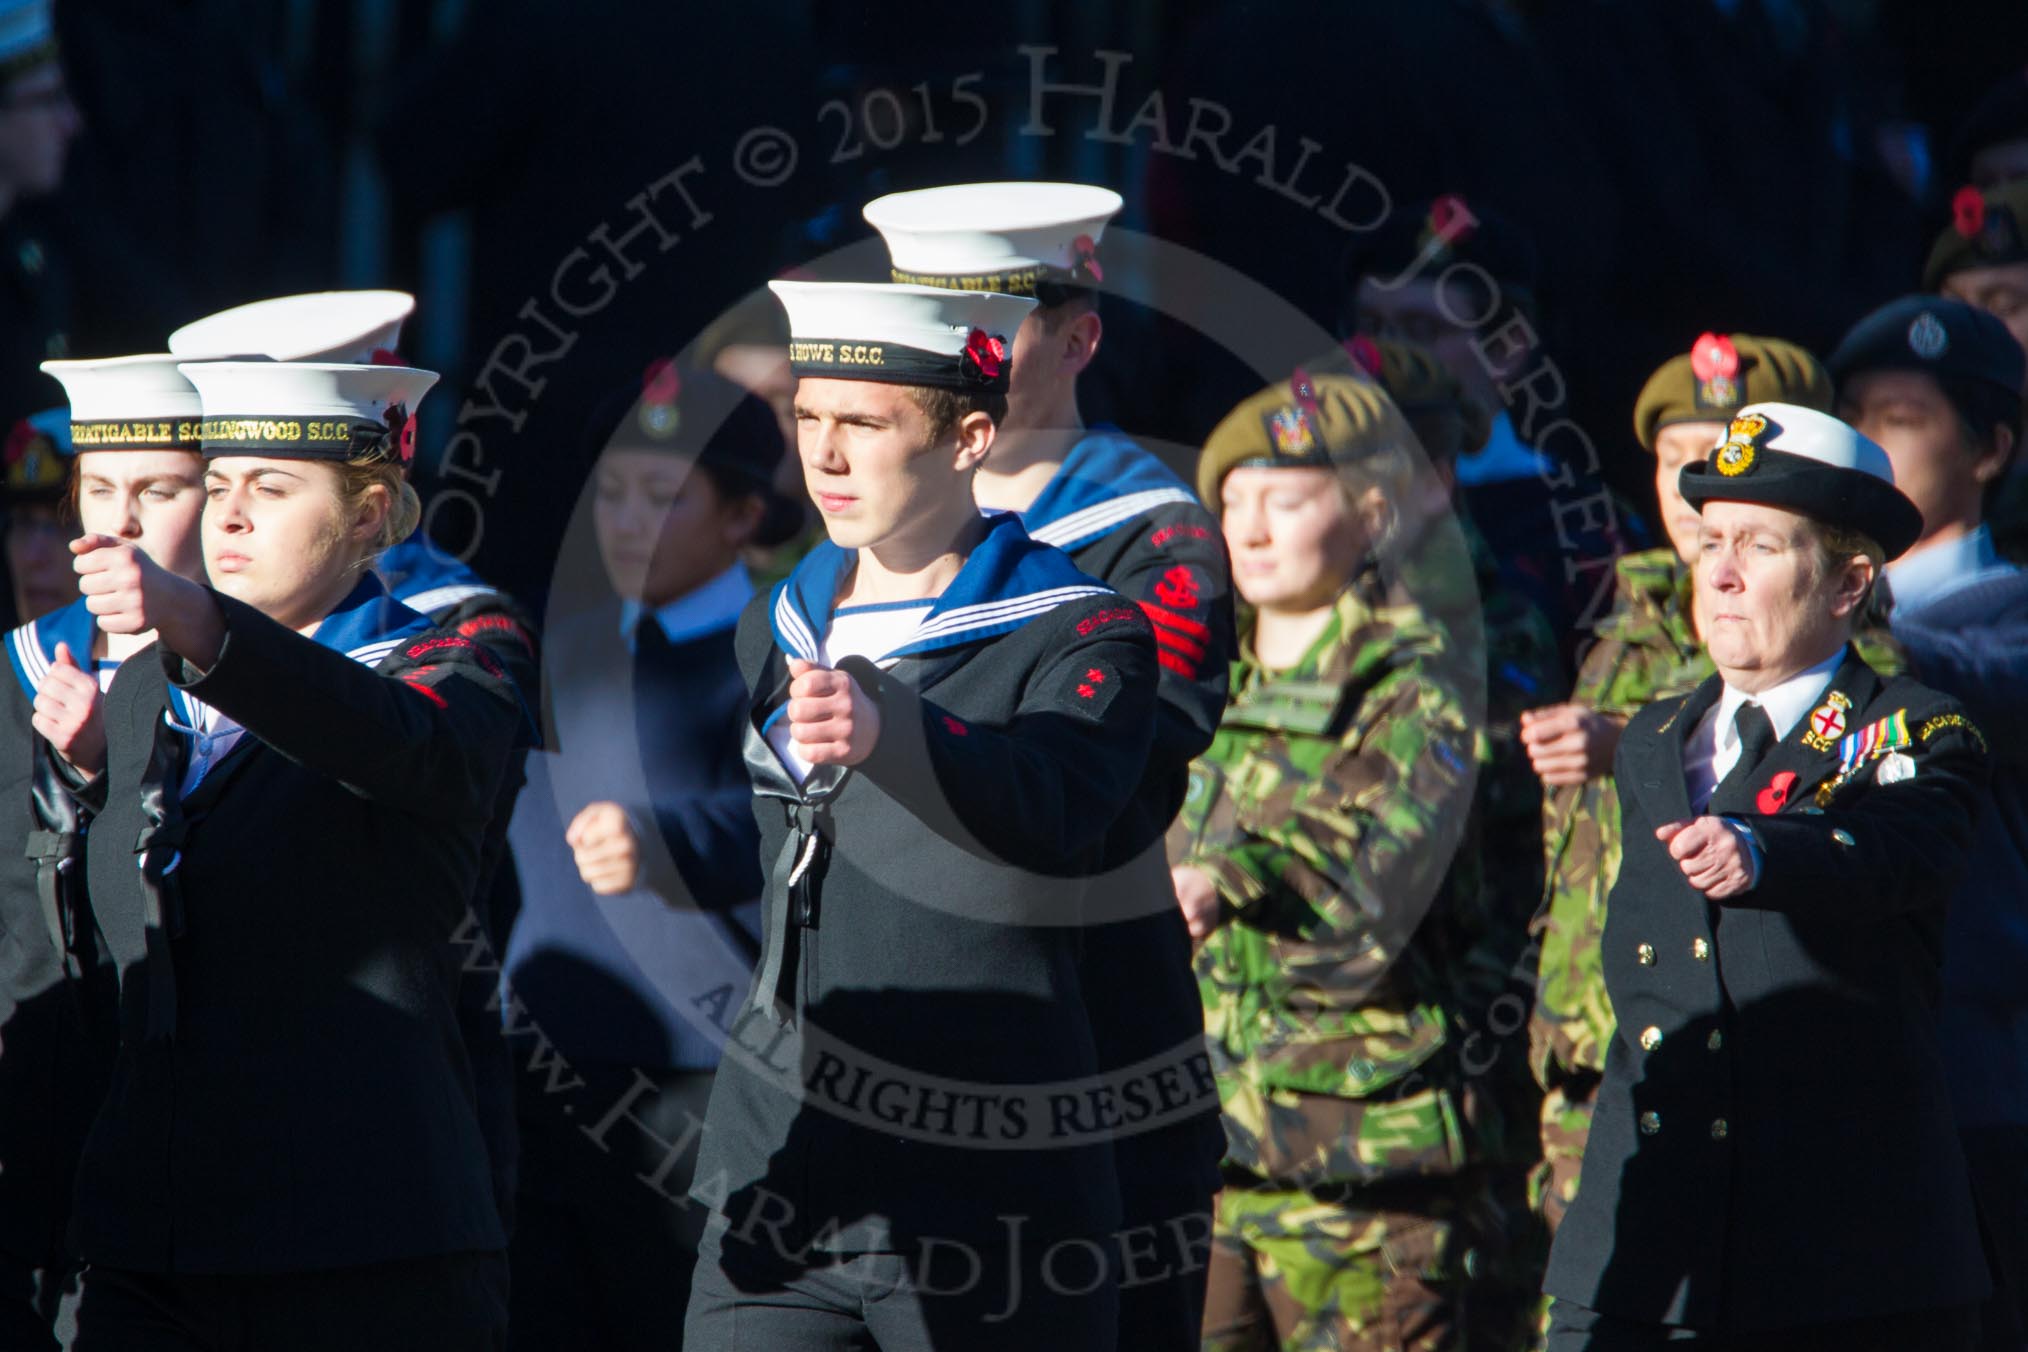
{"x":638,"y":860}
{"x":1933,"y":381}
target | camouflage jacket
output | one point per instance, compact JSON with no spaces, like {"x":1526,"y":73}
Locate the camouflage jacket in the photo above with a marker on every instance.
{"x":1647,"y":650}
{"x":1334,"y":813}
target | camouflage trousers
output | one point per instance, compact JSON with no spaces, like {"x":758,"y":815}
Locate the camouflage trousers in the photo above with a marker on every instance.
{"x":1290,"y":1272}
{"x":1566,"y":1123}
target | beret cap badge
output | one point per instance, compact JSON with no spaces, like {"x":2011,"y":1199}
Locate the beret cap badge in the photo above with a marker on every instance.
{"x":1714,"y":361}
{"x":1739,"y":454}
{"x":1926,"y":336}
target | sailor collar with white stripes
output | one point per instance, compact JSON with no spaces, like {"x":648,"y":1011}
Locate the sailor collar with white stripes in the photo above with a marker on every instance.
{"x":31,"y":649}
{"x":1006,"y":581}
{"x":367,"y":625}
{"x":1106,"y":481}
{"x":425,"y":580}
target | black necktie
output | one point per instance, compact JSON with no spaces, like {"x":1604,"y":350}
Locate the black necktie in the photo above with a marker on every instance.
{"x":1756,"y":734}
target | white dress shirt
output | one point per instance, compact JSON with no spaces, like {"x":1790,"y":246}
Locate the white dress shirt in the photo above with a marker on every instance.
{"x":1714,"y":748}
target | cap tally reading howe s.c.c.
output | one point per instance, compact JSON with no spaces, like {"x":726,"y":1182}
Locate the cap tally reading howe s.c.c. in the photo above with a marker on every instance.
{"x":902,"y":335}
{"x":309,"y":410}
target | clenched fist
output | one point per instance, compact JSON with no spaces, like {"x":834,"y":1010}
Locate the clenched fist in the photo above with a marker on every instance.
{"x":1570,"y":743}
{"x":67,"y":713}
{"x":1711,"y":854}
{"x":131,"y":594}
{"x":607,"y":852}
{"x":831,"y":721}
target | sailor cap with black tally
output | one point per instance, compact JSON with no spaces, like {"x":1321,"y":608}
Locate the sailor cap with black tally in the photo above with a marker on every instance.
{"x":1022,"y":239}
{"x":902,"y":335}
{"x":139,"y":403}
{"x":309,"y":410}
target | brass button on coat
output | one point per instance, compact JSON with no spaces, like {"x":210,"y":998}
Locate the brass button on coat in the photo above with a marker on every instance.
{"x":1651,"y":1038}
{"x":1700,"y":950}
{"x":1650,"y":1123}
{"x":1645,"y":955}
{"x":1715,"y":1041}
{"x":1718,"y":1129}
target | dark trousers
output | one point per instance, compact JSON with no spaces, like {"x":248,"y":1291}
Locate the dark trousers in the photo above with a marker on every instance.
{"x":605,"y":1238}
{"x":1162,"y":1266}
{"x":747,"y":1298}
{"x":453,"y":1303}
{"x":37,"y":1304}
{"x":1998,"y":1157}
{"x":1572,"y":1328}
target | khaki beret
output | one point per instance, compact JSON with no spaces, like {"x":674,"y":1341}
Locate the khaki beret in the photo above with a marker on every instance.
{"x":1304,"y":422}
{"x":1988,"y":230}
{"x":1422,"y":387}
{"x":1723,"y":373}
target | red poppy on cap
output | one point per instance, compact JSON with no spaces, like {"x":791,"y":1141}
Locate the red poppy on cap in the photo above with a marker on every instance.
{"x":401,"y":433}
{"x":1304,"y":389}
{"x":1365,"y":354}
{"x":1451,"y":219}
{"x":1087,"y":257}
{"x":1968,"y":211}
{"x":660,"y":383}
{"x":1713,"y":357}
{"x":385,"y":356}
{"x":986,"y":353}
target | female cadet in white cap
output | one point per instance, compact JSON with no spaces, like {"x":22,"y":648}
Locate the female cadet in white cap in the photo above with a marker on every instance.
{"x":289,"y":1156}
{"x":137,"y":478}
{"x":946,"y":719}
{"x":1773,"y":1162}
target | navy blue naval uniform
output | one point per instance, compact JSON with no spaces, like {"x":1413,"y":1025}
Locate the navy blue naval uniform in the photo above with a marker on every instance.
{"x":1125,"y":518}
{"x":882,"y":1099}
{"x":1774,"y":1155}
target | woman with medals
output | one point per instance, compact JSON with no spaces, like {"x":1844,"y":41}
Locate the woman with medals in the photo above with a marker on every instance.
{"x":298,"y":782}
{"x":138,"y":479}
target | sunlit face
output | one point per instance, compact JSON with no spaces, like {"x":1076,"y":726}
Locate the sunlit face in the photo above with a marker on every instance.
{"x":1678,"y":445}
{"x":2000,"y":291}
{"x":663,"y":528}
{"x":278,"y":535}
{"x":1294,"y":536}
{"x":1767,"y":608}
{"x":152,"y":499}
{"x":38,"y":122}
{"x":869,"y":463}
{"x":1934,"y":463}
{"x":38,"y":559}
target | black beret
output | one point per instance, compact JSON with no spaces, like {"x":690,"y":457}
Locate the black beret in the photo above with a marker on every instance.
{"x":1945,"y":338}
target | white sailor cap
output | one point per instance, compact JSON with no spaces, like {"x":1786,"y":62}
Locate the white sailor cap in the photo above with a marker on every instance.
{"x":309,"y":410}
{"x":328,"y":326}
{"x":902,"y":335}
{"x":1025,"y":239}
{"x":27,"y":36}
{"x":129,"y":403}
{"x":1785,"y":455}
